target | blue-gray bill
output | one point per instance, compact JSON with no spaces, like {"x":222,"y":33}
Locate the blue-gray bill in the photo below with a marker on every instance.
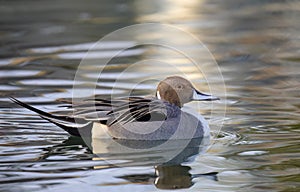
{"x":198,"y":96}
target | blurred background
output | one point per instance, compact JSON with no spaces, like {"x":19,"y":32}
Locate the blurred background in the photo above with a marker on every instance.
{"x":255,"y":43}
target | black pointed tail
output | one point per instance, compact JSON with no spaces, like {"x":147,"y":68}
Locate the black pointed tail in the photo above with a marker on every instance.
{"x":75,"y":127}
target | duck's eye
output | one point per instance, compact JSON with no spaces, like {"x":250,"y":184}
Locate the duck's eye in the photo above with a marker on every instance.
{"x":179,"y":86}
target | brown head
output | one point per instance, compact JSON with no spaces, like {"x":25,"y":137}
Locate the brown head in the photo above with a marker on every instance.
{"x":178,"y":91}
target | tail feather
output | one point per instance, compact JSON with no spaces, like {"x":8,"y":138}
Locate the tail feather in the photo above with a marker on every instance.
{"x":69,"y":124}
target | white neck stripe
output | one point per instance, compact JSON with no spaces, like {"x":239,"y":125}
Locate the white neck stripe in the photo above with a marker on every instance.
{"x":158,"y":95}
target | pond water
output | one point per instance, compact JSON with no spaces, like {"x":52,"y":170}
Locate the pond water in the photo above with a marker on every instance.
{"x":255,"y":43}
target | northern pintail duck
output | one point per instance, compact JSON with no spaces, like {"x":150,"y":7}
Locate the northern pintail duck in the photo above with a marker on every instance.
{"x":162,"y":117}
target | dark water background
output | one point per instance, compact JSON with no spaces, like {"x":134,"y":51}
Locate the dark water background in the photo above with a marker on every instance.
{"x":257,"y":47}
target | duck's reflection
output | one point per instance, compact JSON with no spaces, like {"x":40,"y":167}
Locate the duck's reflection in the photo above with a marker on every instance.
{"x":173,"y":177}
{"x":165,"y":156}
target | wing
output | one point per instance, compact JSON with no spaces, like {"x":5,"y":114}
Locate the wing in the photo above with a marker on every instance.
{"x":125,"y":108}
{"x":99,"y":109}
{"x":122,"y":110}
{"x":139,"y":109}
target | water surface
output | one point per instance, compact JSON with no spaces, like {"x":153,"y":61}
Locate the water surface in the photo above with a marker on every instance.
{"x":256,"y":45}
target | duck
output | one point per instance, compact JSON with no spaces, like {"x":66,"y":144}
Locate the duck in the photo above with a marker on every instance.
{"x":150,"y":118}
